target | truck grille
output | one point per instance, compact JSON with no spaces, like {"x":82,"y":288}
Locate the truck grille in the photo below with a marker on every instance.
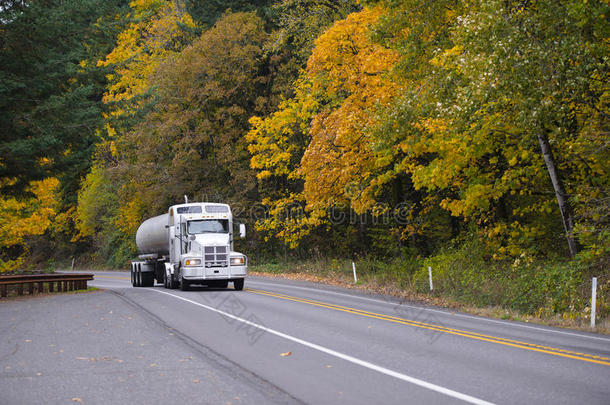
{"x":216,"y":256}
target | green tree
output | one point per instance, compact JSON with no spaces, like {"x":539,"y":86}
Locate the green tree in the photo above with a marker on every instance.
{"x":50,"y":94}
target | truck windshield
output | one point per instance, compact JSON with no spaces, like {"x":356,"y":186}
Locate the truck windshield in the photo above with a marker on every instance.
{"x":208,"y":226}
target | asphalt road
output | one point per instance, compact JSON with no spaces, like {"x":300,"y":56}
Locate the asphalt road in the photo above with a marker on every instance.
{"x":283,"y":342}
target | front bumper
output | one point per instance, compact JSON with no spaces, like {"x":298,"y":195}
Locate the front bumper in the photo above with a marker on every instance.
{"x":214,"y":273}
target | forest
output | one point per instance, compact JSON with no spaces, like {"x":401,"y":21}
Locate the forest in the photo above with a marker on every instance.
{"x":469,"y":136}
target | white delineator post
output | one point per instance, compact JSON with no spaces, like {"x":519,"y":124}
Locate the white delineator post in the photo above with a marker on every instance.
{"x":354,"y":269}
{"x":430,"y":277}
{"x":593,"y":300}
{"x":72,"y":267}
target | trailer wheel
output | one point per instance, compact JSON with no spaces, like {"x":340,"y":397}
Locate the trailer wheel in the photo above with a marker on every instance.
{"x":138,"y":275}
{"x":133,"y":276}
{"x":238,"y":284}
{"x":148,"y":279}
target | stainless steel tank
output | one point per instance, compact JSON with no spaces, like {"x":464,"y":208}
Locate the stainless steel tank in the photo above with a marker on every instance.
{"x":152,"y":236}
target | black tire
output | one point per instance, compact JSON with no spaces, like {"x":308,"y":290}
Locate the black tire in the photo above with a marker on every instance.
{"x":223,"y":284}
{"x":148,"y":279}
{"x":238,"y":284}
{"x":172,"y":284}
{"x":184,"y":285}
{"x":133,"y":276}
{"x":165,"y":281}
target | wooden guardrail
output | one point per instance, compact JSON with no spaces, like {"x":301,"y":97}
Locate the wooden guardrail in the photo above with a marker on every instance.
{"x":36,"y":282}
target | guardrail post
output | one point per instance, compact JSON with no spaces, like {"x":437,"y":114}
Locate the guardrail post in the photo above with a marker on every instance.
{"x":3,"y":290}
{"x":40,"y":287}
{"x":31,"y":288}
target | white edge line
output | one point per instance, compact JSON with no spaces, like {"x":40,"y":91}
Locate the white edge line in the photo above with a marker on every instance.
{"x":435,"y":310}
{"x":363,"y":363}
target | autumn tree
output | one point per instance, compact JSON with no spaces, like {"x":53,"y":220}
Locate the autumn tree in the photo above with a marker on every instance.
{"x":154,"y":31}
{"x":23,"y":219}
{"x":495,"y":120}
{"x":315,"y":147}
{"x":192,"y":141}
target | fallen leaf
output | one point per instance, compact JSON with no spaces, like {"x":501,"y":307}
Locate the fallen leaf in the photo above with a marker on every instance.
{"x":286,"y":354}
{"x":196,"y":381}
{"x":77,"y":400}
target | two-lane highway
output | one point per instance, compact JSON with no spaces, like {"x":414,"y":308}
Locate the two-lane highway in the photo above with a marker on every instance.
{"x":321,"y":344}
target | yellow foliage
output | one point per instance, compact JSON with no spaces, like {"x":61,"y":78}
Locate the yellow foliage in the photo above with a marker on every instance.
{"x":355,"y":73}
{"x":157,"y":32}
{"x":20,"y":219}
{"x":319,"y":135}
{"x":130,"y":216}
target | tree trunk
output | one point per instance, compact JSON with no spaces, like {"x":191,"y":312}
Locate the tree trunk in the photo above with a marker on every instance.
{"x":564,"y":208}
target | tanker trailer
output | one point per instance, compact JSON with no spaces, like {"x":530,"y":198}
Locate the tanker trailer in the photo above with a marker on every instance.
{"x":191,"y":244}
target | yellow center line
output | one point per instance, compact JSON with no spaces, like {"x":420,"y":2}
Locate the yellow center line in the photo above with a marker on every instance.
{"x":458,"y":332}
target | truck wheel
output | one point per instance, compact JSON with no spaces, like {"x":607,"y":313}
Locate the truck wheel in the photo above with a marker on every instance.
{"x":165,"y":281}
{"x":238,"y":284}
{"x":133,"y":277}
{"x":173,"y":283}
{"x":136,"y":276}
{"x":223,"y":284}
{"x":184,"y":285}
{"x":148,"y":279}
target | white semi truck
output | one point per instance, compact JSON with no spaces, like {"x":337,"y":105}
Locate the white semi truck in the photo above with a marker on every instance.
{"x":191,"y":244}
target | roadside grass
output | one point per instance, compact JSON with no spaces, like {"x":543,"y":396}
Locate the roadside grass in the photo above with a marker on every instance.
{"x":549,"y":293}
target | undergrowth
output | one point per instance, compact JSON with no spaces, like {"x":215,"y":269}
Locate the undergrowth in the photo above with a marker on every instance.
{"x":466,"y":274}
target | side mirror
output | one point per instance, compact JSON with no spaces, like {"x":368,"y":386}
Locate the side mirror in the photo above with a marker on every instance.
{"x":242,"y":231}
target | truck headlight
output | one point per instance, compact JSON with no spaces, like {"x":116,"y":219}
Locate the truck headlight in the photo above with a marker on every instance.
{"x":238,"y":261}
{"x":192,"y":262}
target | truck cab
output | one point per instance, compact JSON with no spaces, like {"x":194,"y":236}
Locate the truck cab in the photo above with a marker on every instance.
{"x":191,"y":244}
{"x":201,"y":246}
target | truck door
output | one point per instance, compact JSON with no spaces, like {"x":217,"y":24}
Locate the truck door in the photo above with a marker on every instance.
{"x":174,"y":244}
